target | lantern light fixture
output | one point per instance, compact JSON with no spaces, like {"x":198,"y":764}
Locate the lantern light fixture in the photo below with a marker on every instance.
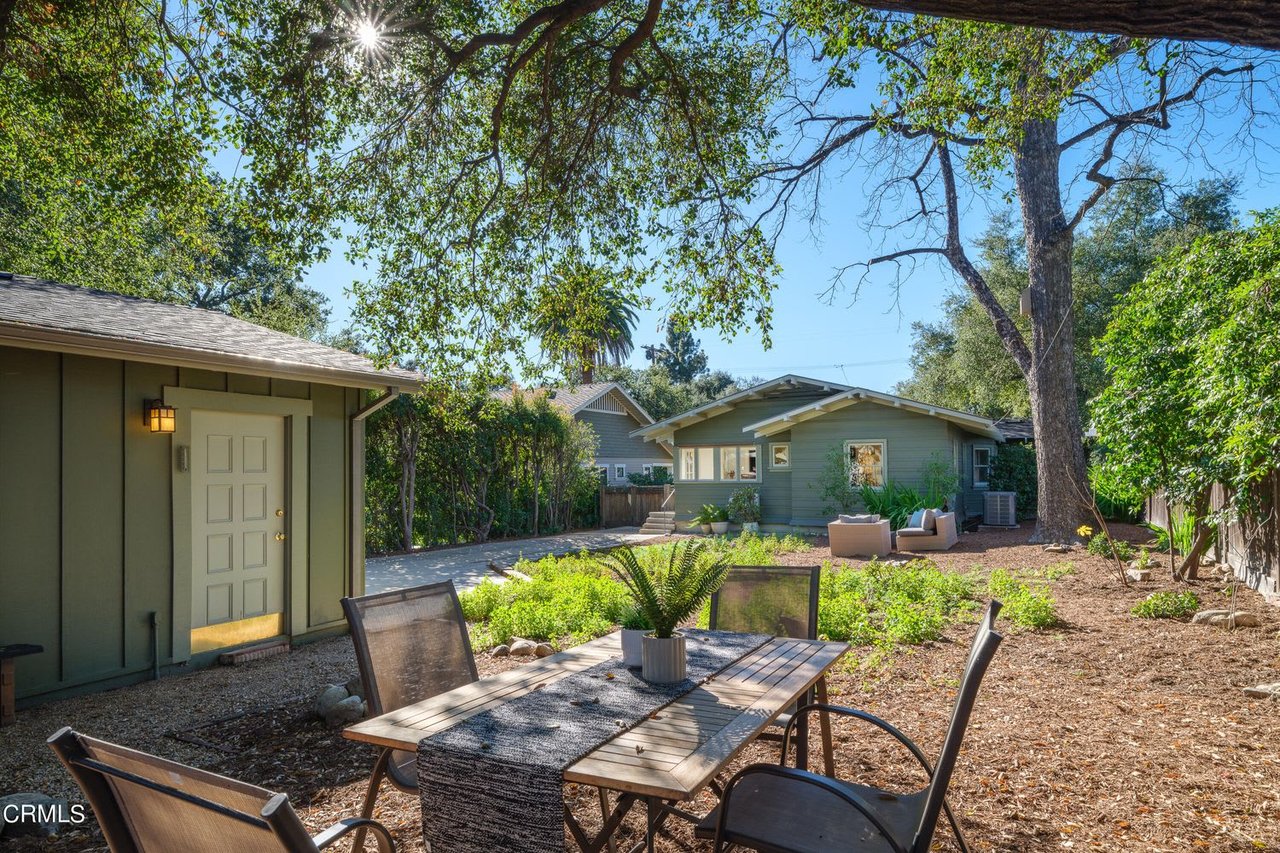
{"x":158,"y":417}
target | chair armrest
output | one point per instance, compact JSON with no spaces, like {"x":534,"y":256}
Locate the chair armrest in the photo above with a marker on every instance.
{"x":865,"y":717}
{"x":807,"y":778}
{"x":386,"y":844}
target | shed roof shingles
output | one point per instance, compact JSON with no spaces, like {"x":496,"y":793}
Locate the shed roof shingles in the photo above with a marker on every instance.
{"x":112,"y":317}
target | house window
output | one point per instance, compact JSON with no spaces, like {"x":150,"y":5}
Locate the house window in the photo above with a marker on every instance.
{"x":981,"y":467}
{"x":619,"y":472}
{"x":657,"y":466}
{"x":866,"y":462}
{"x":738,"y":463}
{"x":780,"y":455}
{"x":697,"y":463}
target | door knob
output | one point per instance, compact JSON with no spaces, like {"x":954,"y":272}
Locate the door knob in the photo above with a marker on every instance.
{"x":280,"y":537}
{"x":279,"y":513}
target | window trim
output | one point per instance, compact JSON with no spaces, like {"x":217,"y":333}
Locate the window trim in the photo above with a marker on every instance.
{"x":720,"y":478}
{"x":973,"y":457}
{"x":772,"y":466}
{"x":649,"y":466}
{"x":884,"y":456}
{"x":716,"y":474}
{"x":619,"y":470}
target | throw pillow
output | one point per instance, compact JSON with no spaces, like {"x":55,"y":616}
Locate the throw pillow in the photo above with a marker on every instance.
{"x":930,"y":520}
{"x":917,"y":519}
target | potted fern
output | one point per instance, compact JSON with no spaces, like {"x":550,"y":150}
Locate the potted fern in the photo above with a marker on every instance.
{"x":705,"y":516}
{"x":634,"y":626}
{"x":719,"y":519}
{"x":667,"y":596}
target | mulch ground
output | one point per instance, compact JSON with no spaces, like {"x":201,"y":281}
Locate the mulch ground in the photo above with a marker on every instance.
{"x":1108,"y":732}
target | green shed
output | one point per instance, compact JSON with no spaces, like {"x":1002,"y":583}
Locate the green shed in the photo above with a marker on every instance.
{"x":176,"y":482}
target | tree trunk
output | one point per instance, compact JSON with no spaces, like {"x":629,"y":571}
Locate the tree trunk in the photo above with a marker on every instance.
{"x":1190,"y":568}
{"x":1063,"y":490}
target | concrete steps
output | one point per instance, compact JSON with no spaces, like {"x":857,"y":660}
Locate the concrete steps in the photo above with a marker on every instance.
{"x":659,"y":523}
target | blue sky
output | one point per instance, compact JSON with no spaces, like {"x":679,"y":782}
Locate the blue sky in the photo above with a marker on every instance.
{"x":867,"y":342}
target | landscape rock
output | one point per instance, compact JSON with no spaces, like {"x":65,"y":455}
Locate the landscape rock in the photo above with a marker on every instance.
{"x":1057,"y":548}
{"x":1136,"y":574}
{"x":1226,"y":619}
{"x":523,"y":648}
{"x":330,"y":696}
{"x":501,"y":651}
{"x":41,"y":823}
{"x":347,"y":711}
{"x":355,"y":687}
{"x":1264,"y":691}
{"x":543,"y":650}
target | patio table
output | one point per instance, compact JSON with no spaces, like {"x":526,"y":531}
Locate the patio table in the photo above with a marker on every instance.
{"x":663,"y":760}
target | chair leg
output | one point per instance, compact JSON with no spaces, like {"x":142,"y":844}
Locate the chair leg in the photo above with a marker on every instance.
{"x":824,"y":723}
{"x":371,"y":796}
{"x":604,"y":815}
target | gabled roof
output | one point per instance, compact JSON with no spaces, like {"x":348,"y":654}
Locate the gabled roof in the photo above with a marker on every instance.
{"x":40,"y":314}
{"x":1016,"y":429}
{"x":579,"y":397}
{"x":663,"y":430}
{"x":853,"y":396}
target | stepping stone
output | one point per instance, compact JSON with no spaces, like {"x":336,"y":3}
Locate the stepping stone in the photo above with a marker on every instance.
{"x":1264,"y":691}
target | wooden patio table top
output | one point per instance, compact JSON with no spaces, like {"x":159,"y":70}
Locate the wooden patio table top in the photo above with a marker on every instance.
{"x":672,"y":754}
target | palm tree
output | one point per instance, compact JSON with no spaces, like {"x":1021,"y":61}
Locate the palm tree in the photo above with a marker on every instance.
{"x":583,"y":320}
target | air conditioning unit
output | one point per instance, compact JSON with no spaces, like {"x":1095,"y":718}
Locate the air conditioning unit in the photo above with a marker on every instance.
{"x":1000,"y":509}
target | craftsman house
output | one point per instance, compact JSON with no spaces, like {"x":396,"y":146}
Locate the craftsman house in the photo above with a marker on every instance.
{"x":176,"y":482}
{"x":778,"y":436}
{"x":614,"y":415}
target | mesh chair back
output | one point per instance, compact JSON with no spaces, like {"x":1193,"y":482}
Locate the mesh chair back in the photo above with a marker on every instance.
{"x":985,"y":643}
{"x":777,"y":600}
{"x":411,"y":644}
{"x":144,"y":803}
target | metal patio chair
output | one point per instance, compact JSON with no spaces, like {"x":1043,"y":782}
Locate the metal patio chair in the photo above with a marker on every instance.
{"x":780,"y":809}
{"x":411,"y":644}
{"x":147,"y":804}
{"x":781,"y":601}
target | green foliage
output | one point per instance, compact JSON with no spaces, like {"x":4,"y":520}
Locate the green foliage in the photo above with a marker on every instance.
{"x":939,"y":481}
{"x":680,"y":355}
{"x":1116,"y":499}
{"x":1024,"y":605}
{"x":1116,"y":548}
{"x":1184,"y":531}
{"x":744,"y":504}
{"x":1193,"y":354}
{"x":834,"y":483}
{"x":451,"y":465}
{"x":583,"y":318}
{"x":634,"y":619}
{"x":656,"y":477}
{"x":662,"y":396}
{"x":1167,"y":604}
{"x":1013,"y":469}
{"x":893,"y":501}
{"x":885,"y":606}
{"x":670,"y":593}
{"x":752,"y":549}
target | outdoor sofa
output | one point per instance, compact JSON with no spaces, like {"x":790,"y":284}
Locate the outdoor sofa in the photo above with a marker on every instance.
{"x":932,"y":531}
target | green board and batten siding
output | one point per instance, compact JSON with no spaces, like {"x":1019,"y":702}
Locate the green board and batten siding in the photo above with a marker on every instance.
{"x":86,"y":511}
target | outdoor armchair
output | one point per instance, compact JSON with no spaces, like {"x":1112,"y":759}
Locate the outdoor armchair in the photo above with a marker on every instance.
{"x":411,"y":644}
{"x":860,"y":538}
{"x":782,"y":809}
{"x":147,"y":804}
{"x":938,"y":533}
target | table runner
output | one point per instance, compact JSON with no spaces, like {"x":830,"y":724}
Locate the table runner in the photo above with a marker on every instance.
{"x":492,"y":783}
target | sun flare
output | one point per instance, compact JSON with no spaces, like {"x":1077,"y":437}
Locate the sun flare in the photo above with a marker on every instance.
{"x":369,"y":35}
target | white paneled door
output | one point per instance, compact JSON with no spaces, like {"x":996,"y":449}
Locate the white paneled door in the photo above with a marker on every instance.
{"x":238,"y":517}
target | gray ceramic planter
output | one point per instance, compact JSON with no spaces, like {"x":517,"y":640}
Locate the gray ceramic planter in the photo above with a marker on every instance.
{"x":664,"y":659}
{"x":631,"y":654}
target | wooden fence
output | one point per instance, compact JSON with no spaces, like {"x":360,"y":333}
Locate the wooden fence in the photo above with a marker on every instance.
{"x":1250,"y":546}
{"x":629,"y":506}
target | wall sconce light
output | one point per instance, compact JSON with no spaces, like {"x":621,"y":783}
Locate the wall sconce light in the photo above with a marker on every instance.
{"x":158,"y":417}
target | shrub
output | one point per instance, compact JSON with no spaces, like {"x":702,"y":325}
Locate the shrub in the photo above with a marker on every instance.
{"x":1014,"y":470}
{"x":892,"y":501}
{"x":655,"y":477}
{"x":834,"y":483}
{"x":1023,"y":606}
{"x":885,"y":606}
{"x":1167,"y":605}
{"x":1116,"y":500}
{"x":744,"y":504}
{"x":1117,"y":548}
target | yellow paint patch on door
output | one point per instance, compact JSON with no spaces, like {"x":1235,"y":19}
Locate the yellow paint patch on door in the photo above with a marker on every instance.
{"x":237,"y":633}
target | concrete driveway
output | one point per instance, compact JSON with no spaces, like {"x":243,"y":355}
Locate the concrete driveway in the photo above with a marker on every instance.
{"x":469,"y":564}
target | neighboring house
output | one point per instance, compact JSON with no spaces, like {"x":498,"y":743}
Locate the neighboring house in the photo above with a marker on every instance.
{"x":176,"y":481}
{"x":614,"y":416}
{"x":778,"y":436}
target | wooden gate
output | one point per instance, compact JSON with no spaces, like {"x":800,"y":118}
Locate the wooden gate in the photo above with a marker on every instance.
{"x":629,"y":506}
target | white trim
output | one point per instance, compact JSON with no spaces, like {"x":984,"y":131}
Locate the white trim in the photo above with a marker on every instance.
{"x":640,"y":413}
{"x":772,"y":445}
{"x":884,"y":456}
{"x":973,"y":458}
{"x":853,"y":396}
{"x":720,"y":478}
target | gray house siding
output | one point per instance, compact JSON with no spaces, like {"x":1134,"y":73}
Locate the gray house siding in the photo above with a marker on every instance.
{"x":615,"y":446}
{"x":726,"y":431}
{"x":910,"y":440}
{"x":972,"y":499}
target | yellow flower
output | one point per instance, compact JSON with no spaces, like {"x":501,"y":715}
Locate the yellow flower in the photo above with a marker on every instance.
{"x":1084,"y":530}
